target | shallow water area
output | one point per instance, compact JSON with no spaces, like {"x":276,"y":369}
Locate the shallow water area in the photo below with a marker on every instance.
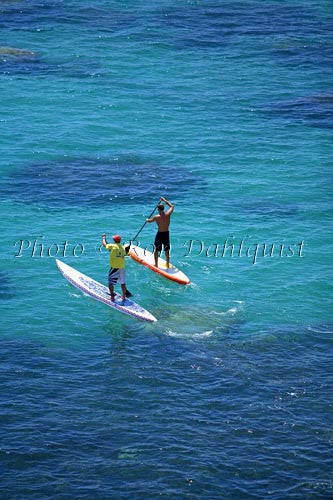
{"x":226,"y":110}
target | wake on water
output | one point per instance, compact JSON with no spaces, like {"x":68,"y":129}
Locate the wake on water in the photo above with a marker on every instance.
{"x":196,"y":324}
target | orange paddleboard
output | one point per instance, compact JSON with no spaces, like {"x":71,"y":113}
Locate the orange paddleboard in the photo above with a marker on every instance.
{"x":147,"y":259}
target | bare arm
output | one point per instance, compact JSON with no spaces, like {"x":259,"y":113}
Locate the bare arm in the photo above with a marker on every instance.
{"x":152,"y":219}
{"x":169,"y":212}
{"x":104,"y":242}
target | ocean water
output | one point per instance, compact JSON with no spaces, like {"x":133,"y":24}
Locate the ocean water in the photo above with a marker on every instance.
{"x":225,"y":108}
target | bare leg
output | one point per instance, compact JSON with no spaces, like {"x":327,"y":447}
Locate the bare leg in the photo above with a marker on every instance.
{"x":123,"y":288}
{"x":111,"y":288}
{"x":156,"y":258}
{"x":167,"y":257}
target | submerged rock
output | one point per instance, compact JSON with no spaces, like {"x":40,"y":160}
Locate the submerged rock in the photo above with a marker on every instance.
{"x":94,"y":182}
{"x":313,"y":110}
{"x":14,"y":52}
{"x":6,"y":287}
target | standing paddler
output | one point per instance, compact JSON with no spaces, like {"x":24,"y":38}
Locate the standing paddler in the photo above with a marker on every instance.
{"x":117,"y":265}
{"x":162,"y":238}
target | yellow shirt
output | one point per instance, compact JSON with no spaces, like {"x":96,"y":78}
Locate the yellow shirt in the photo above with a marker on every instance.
{"x":117,"y":255}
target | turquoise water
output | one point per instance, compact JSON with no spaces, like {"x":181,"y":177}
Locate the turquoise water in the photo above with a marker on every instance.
{"x":225,"y":108}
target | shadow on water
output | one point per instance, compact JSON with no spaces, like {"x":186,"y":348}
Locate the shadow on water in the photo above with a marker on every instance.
{"x":315,"y":111}
{"x":92,"y":182}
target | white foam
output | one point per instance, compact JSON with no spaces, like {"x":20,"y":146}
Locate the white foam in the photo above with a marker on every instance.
{"x":196,"y":335}
{"x":232,"y":310}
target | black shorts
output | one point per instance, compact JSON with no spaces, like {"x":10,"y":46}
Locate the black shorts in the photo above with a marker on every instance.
{"x":162,"y":238}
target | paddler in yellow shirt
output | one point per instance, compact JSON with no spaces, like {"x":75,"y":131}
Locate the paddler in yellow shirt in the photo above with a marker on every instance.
{"x":117,"y":265}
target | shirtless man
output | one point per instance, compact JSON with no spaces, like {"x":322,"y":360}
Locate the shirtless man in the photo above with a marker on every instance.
{"x":162,"y":237}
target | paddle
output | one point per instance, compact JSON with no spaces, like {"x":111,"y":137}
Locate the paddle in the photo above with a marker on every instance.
{"x":143,"y":225}
{"x":128,"y":293}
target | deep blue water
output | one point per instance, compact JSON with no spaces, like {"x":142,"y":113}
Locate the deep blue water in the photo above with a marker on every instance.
{"x":225,"y":108}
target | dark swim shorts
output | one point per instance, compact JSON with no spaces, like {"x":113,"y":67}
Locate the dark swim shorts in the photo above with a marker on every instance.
{"x":162,"y":238}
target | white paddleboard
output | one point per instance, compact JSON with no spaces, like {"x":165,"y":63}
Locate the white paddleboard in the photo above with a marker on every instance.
{"x":146,"y":258}
{"x":101,"y":293}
